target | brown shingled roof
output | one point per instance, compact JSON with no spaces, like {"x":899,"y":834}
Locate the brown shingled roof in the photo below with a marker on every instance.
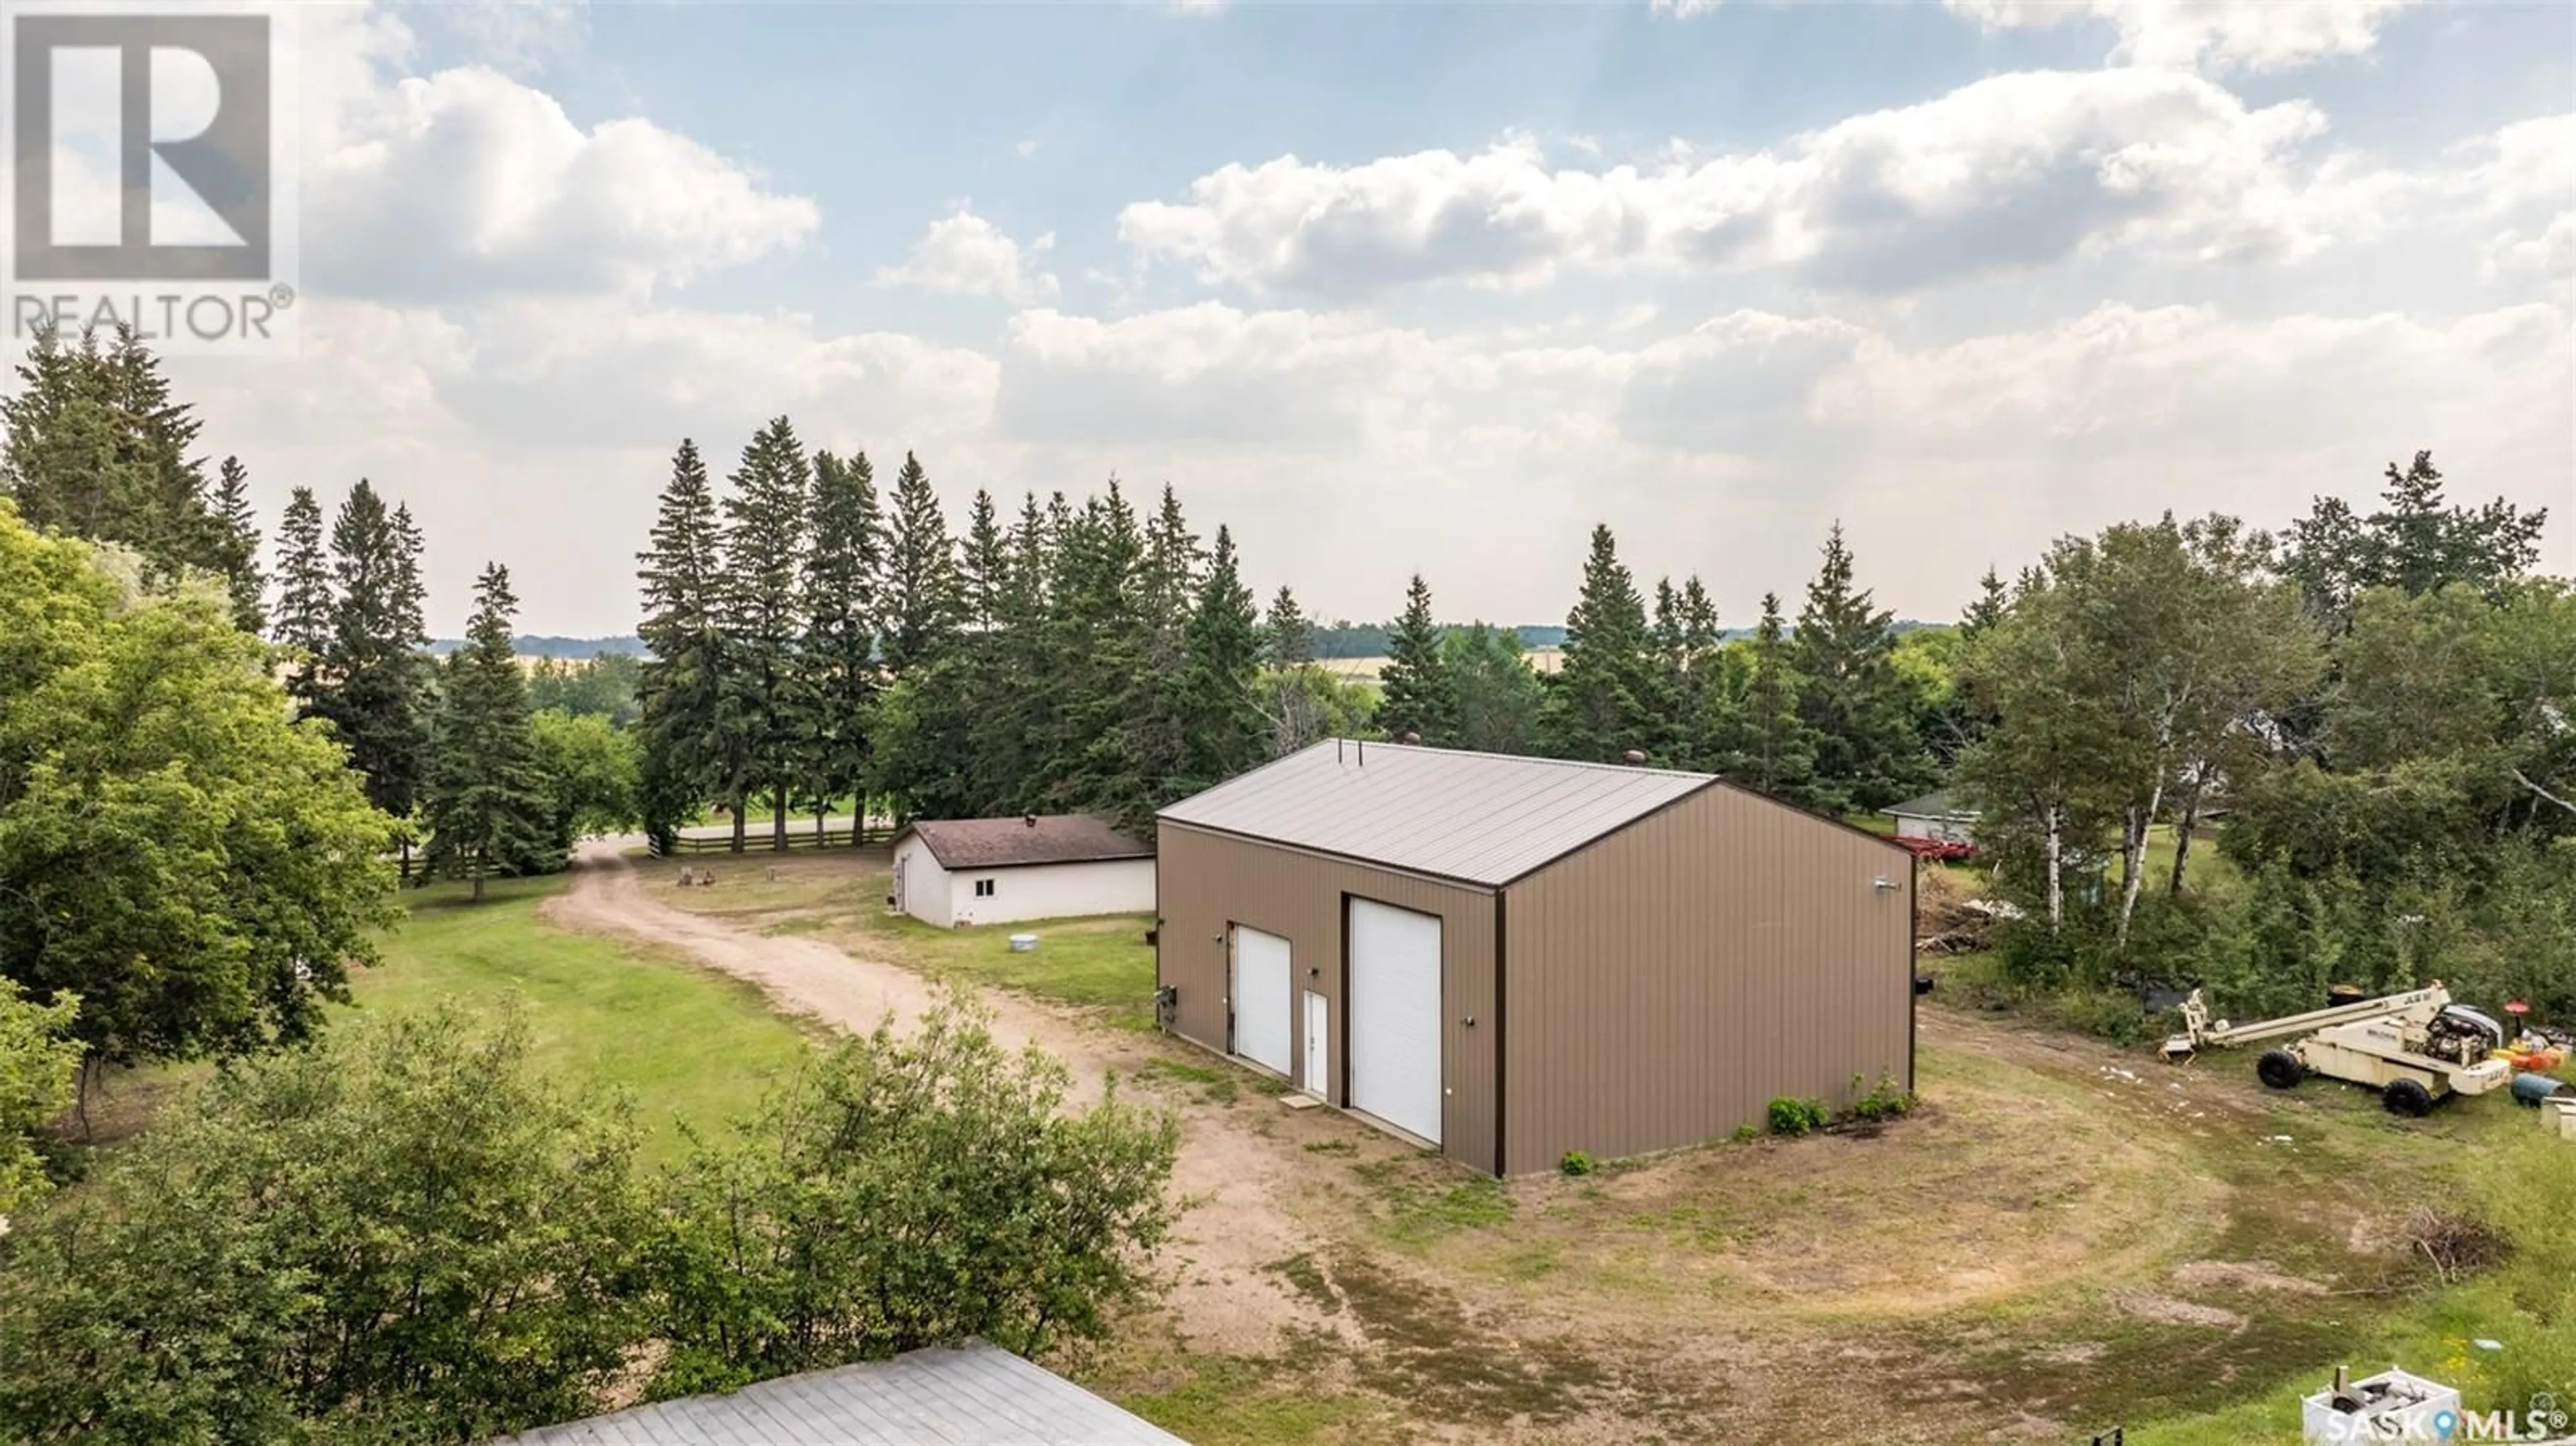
{"x":1001,"y":843}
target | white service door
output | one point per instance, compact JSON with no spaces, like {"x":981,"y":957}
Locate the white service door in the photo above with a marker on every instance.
{"x":1394,"y":1016}
{"x":1319,"y":1047}
{"x":1264,"y":1011}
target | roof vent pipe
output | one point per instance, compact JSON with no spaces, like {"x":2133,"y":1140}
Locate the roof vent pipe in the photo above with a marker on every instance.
{"x":1030,"y":819}
{"x":1633,"y":758}
{"x":1411,"y":740}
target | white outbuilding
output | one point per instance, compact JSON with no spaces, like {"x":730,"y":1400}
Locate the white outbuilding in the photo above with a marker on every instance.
{"x":960,"y":871}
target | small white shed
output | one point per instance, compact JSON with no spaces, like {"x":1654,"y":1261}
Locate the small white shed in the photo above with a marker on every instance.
{"x":960,"y":871}
{"x":1935,"y":816}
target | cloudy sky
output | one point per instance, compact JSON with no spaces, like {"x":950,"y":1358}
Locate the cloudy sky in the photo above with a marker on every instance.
{"x":1400,"y":287}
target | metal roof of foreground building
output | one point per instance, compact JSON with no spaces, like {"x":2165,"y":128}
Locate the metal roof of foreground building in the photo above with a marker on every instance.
{"x":970,"y":1395}
{"x":1478,"y":818}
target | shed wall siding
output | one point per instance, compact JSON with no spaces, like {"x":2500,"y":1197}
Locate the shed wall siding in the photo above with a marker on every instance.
{"x":924,"y":894}
{"x":1054,"y":891}
{"x":1209,"y":881}
{"x":1665,"y":983}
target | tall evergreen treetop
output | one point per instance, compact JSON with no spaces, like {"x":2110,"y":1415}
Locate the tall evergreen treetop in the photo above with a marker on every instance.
{"x":1417,"y":699}
{"x":2415,"y":542}
{"x":983,"y":563}
{"x":1173,"y":560}
{"x":375,"y":679}
{"x":1600,"y":700}
{"x":1222,"y":725}
{"x":304,"y":602}
{"x":762,"y":612}
{"x":921,"y":584}
{"x":1288,"y":639}
{"x":1850,"y":696}
{"x":490,"y":809}
{"x":679,"y":688}
{"x":237,"y":546}
{"x":846,"y":553}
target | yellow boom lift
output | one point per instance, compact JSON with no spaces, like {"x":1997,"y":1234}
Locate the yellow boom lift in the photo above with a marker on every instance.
{"x":2413,"y":1048}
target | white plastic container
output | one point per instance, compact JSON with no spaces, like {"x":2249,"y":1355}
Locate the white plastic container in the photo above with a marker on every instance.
{"x":2560,"y":1115}
{"x":2395,"y":1406}
{"x":1024,"y":943}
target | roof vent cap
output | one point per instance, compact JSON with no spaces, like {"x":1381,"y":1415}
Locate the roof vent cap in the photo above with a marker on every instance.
{"x":1030,"y":819}
{"x":1634,"y":758}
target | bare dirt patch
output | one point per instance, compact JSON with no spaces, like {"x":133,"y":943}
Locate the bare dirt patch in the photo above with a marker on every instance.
{"x":2241,"y":1275}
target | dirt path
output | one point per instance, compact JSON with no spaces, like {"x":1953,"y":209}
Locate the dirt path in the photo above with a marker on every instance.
{"x":1242,"y":1183}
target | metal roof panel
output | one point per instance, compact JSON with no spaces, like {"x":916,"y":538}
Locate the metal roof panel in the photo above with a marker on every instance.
{"x":1480,"y":818}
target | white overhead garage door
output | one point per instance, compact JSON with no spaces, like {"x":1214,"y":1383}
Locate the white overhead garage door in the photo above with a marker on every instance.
{"x":1394,"y":1016}
{"x":1263,"y":1012}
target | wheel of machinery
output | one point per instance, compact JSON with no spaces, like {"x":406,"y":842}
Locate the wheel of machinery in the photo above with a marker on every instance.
{"x":2280,"y":1069}
{"x":2406,"y":1097}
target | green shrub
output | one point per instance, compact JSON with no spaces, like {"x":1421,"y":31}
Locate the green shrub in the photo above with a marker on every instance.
{"x":1575,"y":1163}
{"x":1885,"y":1100}
{"x":1747,"y":1132}
{"x":1793,"y":1116}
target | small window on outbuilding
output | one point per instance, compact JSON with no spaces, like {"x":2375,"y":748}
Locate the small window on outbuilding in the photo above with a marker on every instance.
{"x":983,"y":888}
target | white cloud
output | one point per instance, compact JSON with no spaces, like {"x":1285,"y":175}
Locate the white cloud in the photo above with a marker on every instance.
{"x":466,"y":182}
{"x":1683,"y":9}
{"x":966,"y":255}
{"x":2551,"y":253}
{"x":2017,"y":170}
{"x":2250,"y":35}
{"x":2530,"y":162}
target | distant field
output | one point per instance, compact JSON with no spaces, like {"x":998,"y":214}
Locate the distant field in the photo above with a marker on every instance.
{"x":1366,"y":670}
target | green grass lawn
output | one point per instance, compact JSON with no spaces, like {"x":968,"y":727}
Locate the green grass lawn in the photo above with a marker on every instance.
{"x":689,"y":1046}
{"x":1101,"y":963}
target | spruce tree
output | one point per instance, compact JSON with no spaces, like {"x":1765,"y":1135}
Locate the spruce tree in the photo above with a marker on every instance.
{"x":1850,"y":697}
{"x":921,"y":589}
{"x":1416,"y":697}
{"x":237,"y":546}
{"x":762,"y":617}
{"x":175,"y":530}
{"x":1987,"y":608}
{"x":1600,"y":700}
{"x":1288,"y":639}
{"x":681,"y":685}
{"x":1222,"y":725}
{"x":1770,"y":749}
{"x":488,"y":804}
{"x":1172,"y":567}
{"x":1111,"y":748}
{"x":1495,"y":696}
{"x":377,"y":701}
{"x":839,"y":654}
{"x":983,"y":562}
{"x":304,"y":600}
{"x":93,"y":445}
{"x":1696,"y":683}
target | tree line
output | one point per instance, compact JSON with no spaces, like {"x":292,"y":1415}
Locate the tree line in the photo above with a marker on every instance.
{"x":2380,"y":708}
{"x":815,"y":643}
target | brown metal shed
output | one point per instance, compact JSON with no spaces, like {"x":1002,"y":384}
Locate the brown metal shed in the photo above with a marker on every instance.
{"x":1541,"y":956}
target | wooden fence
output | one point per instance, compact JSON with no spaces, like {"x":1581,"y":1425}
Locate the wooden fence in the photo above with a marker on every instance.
{"x":758,"y":839}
